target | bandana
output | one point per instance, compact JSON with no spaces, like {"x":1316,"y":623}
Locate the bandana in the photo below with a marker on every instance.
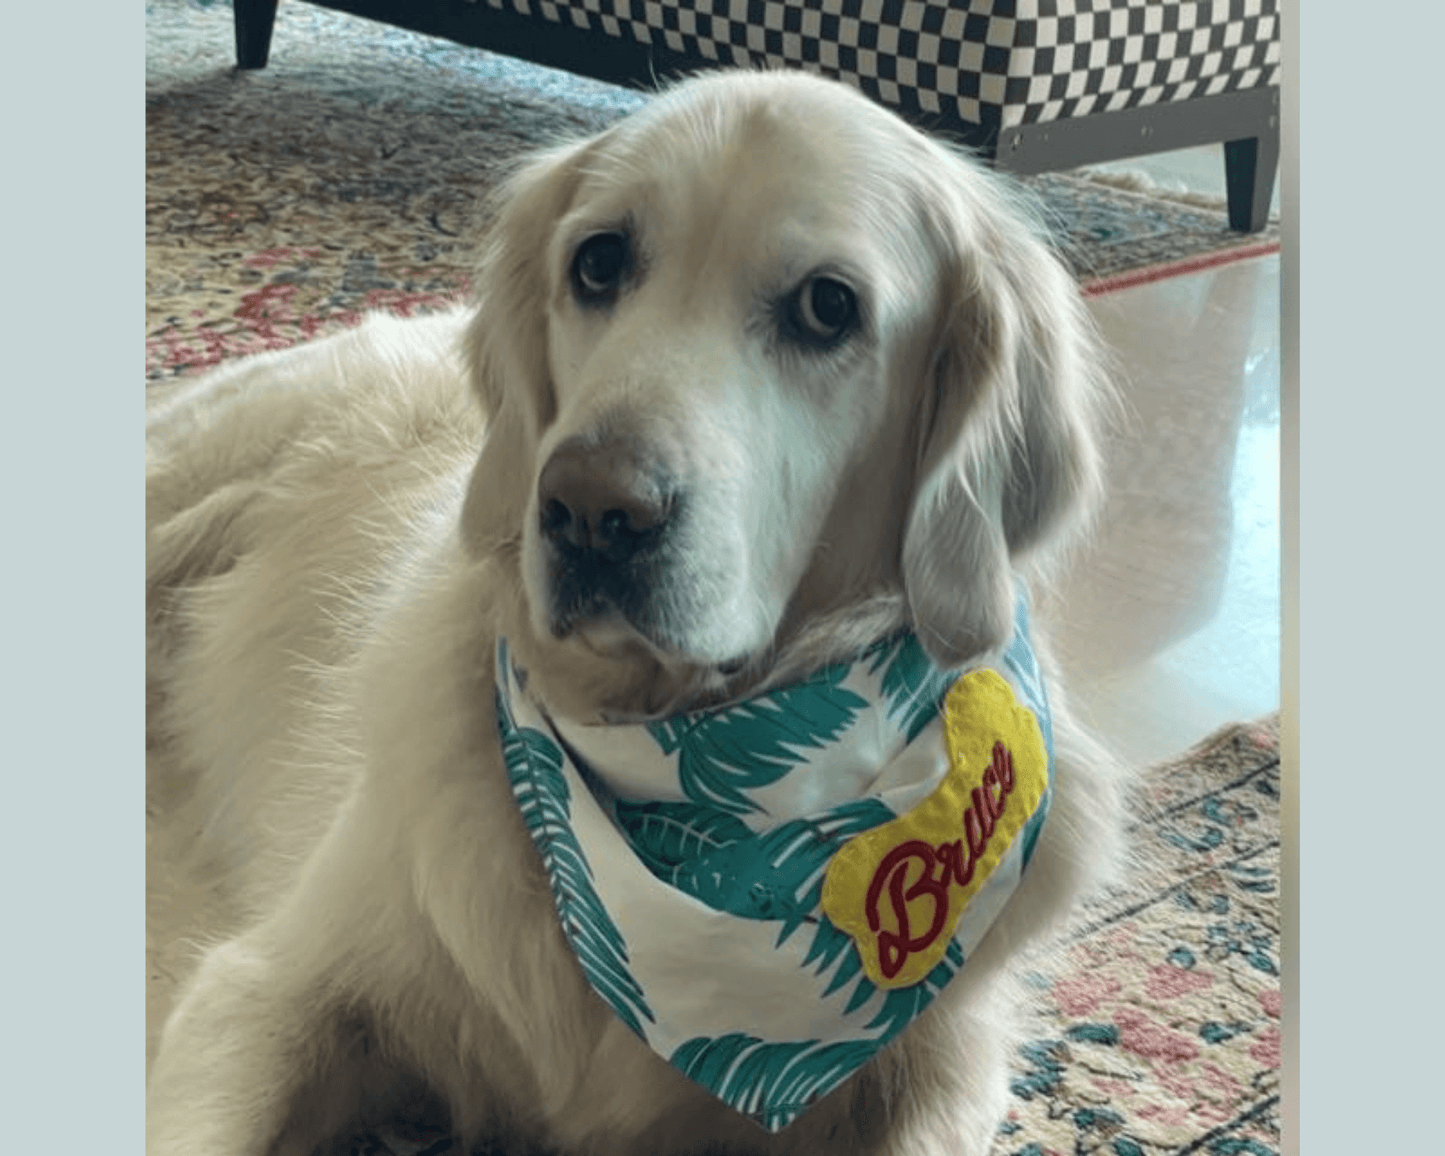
{"x":768,"y":892}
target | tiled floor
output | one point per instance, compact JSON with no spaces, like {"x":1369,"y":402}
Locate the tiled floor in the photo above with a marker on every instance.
{"x":1173,"y":614}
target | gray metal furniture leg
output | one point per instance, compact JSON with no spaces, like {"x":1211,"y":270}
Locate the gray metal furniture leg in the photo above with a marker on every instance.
{"x":1248,"y":120}
{"x":1249,"y":168}
{"x":254,"y":21}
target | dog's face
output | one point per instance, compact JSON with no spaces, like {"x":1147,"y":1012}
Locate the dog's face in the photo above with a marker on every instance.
{"x":719,"y":332}
{"x":753,"y":355}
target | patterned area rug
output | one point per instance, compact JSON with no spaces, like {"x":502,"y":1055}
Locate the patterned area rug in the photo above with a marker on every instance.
{"x":1158,"y":1027}
{"x":346,"y":176}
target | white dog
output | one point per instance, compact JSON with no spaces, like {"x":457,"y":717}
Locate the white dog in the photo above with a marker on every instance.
{"x":755,"y":379}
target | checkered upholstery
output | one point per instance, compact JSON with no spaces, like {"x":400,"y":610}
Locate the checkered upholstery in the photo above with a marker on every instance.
{"x":992,"y":62}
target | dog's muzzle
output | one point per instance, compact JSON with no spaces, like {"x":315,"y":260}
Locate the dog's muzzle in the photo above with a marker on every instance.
{"x":605,"y":516}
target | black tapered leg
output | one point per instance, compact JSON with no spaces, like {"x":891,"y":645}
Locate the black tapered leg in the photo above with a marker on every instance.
{"x":254,"y":21}
{"x":1249,"y":169}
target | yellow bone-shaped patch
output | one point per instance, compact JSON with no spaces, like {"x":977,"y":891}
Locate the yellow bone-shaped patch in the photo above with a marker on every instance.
{"x":900,"y":889}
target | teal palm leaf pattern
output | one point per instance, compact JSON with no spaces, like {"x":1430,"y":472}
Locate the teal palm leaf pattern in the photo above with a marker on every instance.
{"x":724,"y":753}
{"x":778,"y":874}
{"x":913,"y":686}
{"x":666,"y":835}
{"x":902,"y":1004}
{"x":834,"y":948}
{"x":534,"y":764}
{"x":771,"y":1082}
{"x":716,"y":858}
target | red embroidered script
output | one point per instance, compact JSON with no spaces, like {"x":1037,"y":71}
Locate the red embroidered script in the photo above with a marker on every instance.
{"x":943,"y":866}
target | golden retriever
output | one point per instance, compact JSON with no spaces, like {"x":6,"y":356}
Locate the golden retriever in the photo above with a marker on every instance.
{"x":835,"y":385}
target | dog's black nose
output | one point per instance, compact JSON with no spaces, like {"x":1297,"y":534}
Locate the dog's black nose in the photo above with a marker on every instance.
{"x":601,"y":498}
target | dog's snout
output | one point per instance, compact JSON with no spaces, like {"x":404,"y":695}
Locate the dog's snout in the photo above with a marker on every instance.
{"x":602,"y":499}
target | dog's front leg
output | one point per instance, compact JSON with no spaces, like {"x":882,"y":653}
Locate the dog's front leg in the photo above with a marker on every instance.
{"x":244,"y":1039}
{"x":261,"y":1021}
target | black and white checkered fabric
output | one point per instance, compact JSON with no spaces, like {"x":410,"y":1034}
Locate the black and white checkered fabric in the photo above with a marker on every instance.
{"x":993,"y":62}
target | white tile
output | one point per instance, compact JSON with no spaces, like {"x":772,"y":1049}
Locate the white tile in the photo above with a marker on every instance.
{"x":1167,"y":626}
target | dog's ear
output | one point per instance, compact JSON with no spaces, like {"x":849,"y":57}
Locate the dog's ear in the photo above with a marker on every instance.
{"x":1008,"y":456}
{"x":505,"y":349}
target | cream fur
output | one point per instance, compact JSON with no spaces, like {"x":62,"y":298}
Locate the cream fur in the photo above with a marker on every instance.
{"x":337,"y":532}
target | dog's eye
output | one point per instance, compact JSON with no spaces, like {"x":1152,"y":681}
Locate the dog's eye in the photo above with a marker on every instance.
{"x":824,"y":310}
{"x":599,"y":265}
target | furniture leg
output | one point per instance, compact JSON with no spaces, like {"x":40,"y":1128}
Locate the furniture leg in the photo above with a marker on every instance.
{"x":254,"y":21}
{"x":1249,"y":169}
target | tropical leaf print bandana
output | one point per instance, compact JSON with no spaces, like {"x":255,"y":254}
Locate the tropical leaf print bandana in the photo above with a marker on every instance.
{"x":770,"y":891}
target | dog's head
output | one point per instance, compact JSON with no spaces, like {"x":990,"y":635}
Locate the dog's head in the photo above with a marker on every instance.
{"x":755,"y":357}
